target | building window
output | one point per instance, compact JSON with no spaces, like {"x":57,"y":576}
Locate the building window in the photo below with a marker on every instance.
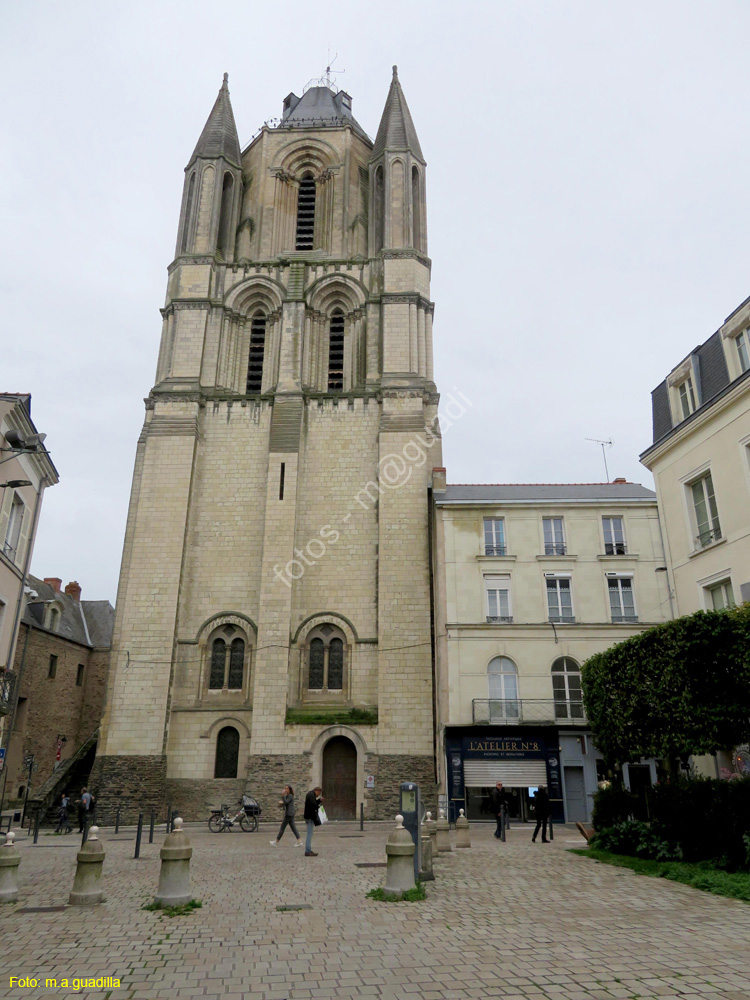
{"x":502,"y":680}
{"x":227,"y":660}
{"x":416,"y":210}
{"x":79,"y":675}
{"x":52,"y":618}
{"x":622,"y":599}
{"x":554,"y":537}
{"x":559,"y":599}
{"x":336,"y":353}
{"x":257,"y":351}
{"x":326,"y":660}
{"x":614,"y":536}
{"x":499,"y":608}
{"x":13,"y":529}
{"x":306,"y":213}
{"x":52,"y":671}
{"x":494,"y":536}
{"x":705,"y":510}
{"x":566,"y":688}
{"x":720,"y":595}
{"x":687,"y":397}
{"x":227,"y":753}
{"x":742,"y":349}
{"x":225,"y":214}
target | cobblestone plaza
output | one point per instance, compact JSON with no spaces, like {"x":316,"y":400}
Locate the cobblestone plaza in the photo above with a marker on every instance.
{"x":515,"y":920}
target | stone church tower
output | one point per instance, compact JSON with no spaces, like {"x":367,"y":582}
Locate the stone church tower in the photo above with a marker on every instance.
{"x":273,"y":615}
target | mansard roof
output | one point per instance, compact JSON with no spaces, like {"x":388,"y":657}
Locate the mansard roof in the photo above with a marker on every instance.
{"x":618,"y":491}
{"x":396,"y":129}
{"x":89,"y":623}
{"x":319,"y":107}
{"x":219,"y":136}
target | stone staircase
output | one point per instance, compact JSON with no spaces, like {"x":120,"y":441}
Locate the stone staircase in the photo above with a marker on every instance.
{"x":71,"y":776}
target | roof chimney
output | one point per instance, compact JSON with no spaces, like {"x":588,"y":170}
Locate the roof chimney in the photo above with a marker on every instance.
{"x":438,"y":480}
{"x":55,"y":582}
{"x":620,"y":480}
{"x":74,"y":590}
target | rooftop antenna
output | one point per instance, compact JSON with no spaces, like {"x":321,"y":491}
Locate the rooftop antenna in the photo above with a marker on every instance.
{"x":604,"y":444}
{"x":326,"y":79}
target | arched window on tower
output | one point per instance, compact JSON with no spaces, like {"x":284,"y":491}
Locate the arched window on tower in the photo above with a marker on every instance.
{"x":566,"y":688}
{"x":257,"y":351}
{"x":326,"y":661}
{"x":226,"y":657}
{"x":218,"y":658}
{"x":379,"y":210}
{"x":236,"y":664}
{"x":502,"y":678}
{"x":188,"y":213}
{"x":336,"y":353}
{"x":416,"y":210}
{"x":306,"y":213}
{"x":225,"y":216}
{"x":227,"y":753}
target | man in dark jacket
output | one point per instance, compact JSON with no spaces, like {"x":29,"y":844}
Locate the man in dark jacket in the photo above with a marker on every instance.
{"x":313,"y":801}
{"x":499,"y":804}
{"x":542,"y":811}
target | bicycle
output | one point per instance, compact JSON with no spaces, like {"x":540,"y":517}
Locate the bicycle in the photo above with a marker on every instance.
{"x":220,"y":820}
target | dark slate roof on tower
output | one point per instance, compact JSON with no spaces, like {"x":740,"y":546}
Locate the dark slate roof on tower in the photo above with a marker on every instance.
{"x":319,"y":107}
{"x":219,"y":136}
{"x":396,"y":129}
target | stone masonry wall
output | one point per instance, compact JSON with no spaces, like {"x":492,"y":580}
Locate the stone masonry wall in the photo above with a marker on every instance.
{"x":136,"y":784}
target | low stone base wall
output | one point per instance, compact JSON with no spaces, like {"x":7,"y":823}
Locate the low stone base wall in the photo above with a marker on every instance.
{"x":390,"y":771}
{"x":135,"y":784}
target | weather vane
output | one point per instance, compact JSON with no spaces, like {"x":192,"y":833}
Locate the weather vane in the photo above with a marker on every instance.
{"x":326,"y":79}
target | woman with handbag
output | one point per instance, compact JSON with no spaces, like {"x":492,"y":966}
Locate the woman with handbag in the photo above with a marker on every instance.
{"x":287,"y":801}
{"x":313,"y":805}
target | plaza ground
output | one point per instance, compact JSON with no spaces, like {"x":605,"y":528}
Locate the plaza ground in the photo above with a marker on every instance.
{"x":515,"y":920}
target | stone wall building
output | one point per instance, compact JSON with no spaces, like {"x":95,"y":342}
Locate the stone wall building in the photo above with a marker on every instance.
{"x":273,"y":614}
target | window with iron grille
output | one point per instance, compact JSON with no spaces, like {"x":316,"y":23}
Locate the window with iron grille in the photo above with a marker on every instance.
{"x":622,"y":599}
{"x":494,"y":536}
{"x":336,"y":353}
{"x":559,"y":599}
{"x":554,"y":536}
{"x":706,"y":511}
{"x":499,"y":608}
{"x":614,"y":536}
{"x":257,"y":351}
{"x":306,"y":213}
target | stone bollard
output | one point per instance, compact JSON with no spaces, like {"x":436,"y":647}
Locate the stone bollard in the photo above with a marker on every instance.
{"x":174,"y":878}
{"x":443,"y":834}
{"x":10,"y":859}
{"x":426,"y":874}
{"x":463,"y":836}
{"x":432,"y":830}
{"x":399,"y":849}
{"x":87,"y":884}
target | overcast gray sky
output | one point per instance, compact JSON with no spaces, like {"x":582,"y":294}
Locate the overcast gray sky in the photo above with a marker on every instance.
{"x":588,"y":213}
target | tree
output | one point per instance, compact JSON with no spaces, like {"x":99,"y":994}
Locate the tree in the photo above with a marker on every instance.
{"x":676,"y":689}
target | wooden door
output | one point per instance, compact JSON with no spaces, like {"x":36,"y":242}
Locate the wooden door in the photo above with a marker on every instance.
{"x":340,"y":778}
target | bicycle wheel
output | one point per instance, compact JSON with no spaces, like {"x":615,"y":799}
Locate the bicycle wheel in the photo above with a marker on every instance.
{"x":249,"y":823}
{"x":215,"y":824}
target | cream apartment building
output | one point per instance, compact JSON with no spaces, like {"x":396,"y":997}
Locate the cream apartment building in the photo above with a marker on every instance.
{"x":531,"y":580}
{"x":700,"y":460}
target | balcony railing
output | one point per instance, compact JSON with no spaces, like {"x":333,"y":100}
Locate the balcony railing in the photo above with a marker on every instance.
{"x":554,"y":549}
{"x":7,"y":679}
{"x":614,"y":548}
{"x":707,"y":537}
{"x":624,"y":619}
{"x":495,"y":550}
{"x":562,"y":619}
{"x":509,"y":711}
{"x":500,"y":619}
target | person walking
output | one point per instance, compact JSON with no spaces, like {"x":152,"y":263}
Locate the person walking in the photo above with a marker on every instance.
{"x":84,"y":806}
{"x":64,"y":821}
{"x":313,"y":801}
{"x":542,"y":810}
{"x":499,"y":806}
{"x":287,"y":801}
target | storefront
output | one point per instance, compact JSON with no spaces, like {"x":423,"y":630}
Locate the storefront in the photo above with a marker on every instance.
{"x":523,"y":760}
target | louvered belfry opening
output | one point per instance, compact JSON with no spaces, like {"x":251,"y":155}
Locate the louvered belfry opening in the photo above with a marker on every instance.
{"x":306,"y":213}
{"x":336,"y":353}
{"x":257,"y":349}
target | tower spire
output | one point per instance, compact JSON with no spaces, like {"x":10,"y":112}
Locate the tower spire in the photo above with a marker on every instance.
{"x":219,"y":136}
{"x":396,"y":130}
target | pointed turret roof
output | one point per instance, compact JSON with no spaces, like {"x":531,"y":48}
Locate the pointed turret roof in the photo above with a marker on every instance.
{"x":219,"y":136}
{"x":396,"y":129}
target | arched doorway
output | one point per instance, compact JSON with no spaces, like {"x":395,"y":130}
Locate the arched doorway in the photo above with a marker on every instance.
{"x":340,"y":778}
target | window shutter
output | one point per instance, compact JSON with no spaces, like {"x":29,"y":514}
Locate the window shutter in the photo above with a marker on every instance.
{"x":23,"y":538}
{"x":5,"y":514}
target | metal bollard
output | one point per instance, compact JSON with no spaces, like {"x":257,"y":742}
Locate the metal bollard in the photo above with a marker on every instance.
{"x":169,"y":819}
{"x":138,"y":836}
{"x":361,"y":816}
{"x":503,"y":822}
{"x":10,"y":859}
{"x":87,"y":884}
{"x":443,"y":834}
{"x":117,"y":820}
{"x":36,"y":825}
{"x":463,"y":836}
{"x":174,"y":877}
{"x":399,"y":849}
{"x":151,"y":828}
{"x":551,"y":831}
{"x":85,"y":834}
